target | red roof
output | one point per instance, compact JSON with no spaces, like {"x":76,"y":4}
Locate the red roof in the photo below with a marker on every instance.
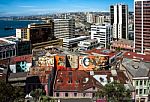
{"x":133,"y":55}
{"x":74,"y":81}
{"x":81,"y":80}
{"x":108,"y":52}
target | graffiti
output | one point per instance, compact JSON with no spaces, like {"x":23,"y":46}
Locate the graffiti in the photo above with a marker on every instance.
{"x":46,"y":61}
{"x":93,"y":62}
{"x":60,"y":62}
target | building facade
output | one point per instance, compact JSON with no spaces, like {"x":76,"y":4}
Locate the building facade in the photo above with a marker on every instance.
{"x":88,"y":44}
{"x":64,"y":28}
{"x":73,"y":42}
{"x":103,"y":33}
{"x":36,"y":33}
{"x":119,"y":21}
{"x":141,"y":26}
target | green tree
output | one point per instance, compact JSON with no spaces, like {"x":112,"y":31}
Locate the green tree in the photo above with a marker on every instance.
{"x":9,"y":93}
{"x":37,"y":93}
{"x":114,"y":92}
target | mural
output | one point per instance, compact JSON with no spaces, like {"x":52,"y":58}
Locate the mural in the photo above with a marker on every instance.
{"x":93,"y":62}
{"x":46,"y":61}
{"x":72,"y":61}
{"x":60,"y":62}
{"x":21,"y":63}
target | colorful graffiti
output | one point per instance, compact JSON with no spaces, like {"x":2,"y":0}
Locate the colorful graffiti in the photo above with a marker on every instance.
{"x":72,"y":61}
{"x":93,"y":62}
{"x":46,"y":61}
{"x":60,"y":62}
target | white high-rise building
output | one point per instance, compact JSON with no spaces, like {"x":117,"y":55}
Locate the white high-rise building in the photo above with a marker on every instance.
{"x":64,"y":28}
{"x":103,"y":33}
{"x":119,"y":21}
{"x":90,"y":18}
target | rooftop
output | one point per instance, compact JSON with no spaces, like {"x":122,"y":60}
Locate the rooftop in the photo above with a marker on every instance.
{"x":74,"y":39}
{"x":124,"y":41}
{"x":133,"y":55}
{"x":7,"y":40}
{"x":136,"y":68}
{"x":105,"y":52}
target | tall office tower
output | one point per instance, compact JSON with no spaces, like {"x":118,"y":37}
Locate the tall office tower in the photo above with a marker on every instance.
{"x":64,"y":28}
{"x":36,"y":33}
{"x":103,"y":33}
{"x":141,"y":25}
{"x":119,"y":21}
{"x":90,"y":18}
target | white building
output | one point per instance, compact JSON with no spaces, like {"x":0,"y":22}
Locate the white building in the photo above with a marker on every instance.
{"x":90,"y":18}
{"x":88,"y":44}
{"x":119,"y":21}
{"x":103,"y":33}
{"x":73,"y":42}
{"x":64,"y":28}
{"x":100,"y":19}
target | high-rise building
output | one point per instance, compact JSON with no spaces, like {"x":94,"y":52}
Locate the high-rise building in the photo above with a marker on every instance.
{"x":90,"y":18}
{"x":100,"y":19}
{"x":119,"y":21}
{"x":36,"y":33}
{"x":141,"y":25}
{"x":103,"y":33}
{"x":64,"y":28}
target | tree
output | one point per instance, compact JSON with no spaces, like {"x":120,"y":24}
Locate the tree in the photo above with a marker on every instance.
{"x":114,"y":92}
{"x":37,"y":93}
{"x":9,"y":93}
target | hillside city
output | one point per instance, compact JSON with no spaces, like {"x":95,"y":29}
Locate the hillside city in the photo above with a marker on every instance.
{"x":79,"y":57}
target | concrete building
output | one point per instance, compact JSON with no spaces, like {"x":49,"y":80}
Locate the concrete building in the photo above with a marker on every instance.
{"x":70,"y":43}
{"x":36,"y":33}
{"x":64,"y":28}
{"x":103,"y":33}
{"x":119,"y":21}
{"x":90,"y":18}
{"x":123,"y":45}
{"x":22,"y":33}
{"x":141,"y":25}
{"x":137,"y":68}
{"x":100,"y":19}
{"x":7,"y":48}
{"x":88,"y":44}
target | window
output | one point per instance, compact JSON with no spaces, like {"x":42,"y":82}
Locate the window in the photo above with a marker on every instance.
{"x":141,"y":91}
{"x":93,"y":94}
{"x":66,"y":94}
{"x":141,"y":82}
{"x":70,"y":81}
{"x":137,"y":83}
{"x":84,"y":94}
{"x":93,"y":88}
{"x":75,"y":94}
{"x":145,"y":82}
{"x":57,"y":94}
{"x":145,"y":91}
{"x":77,"y":81}
{"x":137,"y":91}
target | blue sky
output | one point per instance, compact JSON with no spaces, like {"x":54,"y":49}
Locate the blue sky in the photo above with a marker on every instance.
{"x":33,"y":7}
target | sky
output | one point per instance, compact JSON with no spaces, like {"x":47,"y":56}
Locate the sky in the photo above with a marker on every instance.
{"x":36,"y":7}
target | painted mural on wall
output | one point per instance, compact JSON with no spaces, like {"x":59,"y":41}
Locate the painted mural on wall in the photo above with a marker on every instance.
{"x":93,"y":62}
{"x":20,"y":63}
{"x":46,"y":61}
{"x":60,"y":62}
{"x":72,"y":61}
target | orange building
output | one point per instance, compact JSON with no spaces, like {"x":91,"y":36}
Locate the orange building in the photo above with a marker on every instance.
{"x":93,"y":62}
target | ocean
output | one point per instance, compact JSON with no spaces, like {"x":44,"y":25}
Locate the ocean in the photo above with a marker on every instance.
{"x":13,"y":24}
